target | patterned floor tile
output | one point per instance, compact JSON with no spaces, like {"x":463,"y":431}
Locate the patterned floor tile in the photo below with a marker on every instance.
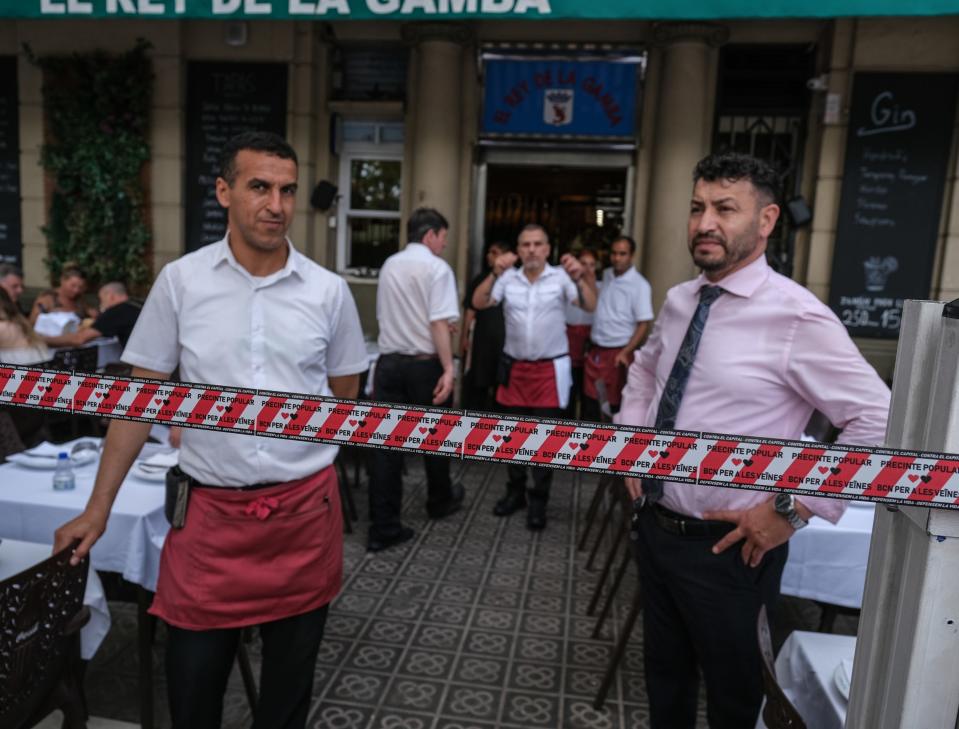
{"x":580,"y":714}
{"x":588,"y":654}
{"x":414,"y":694}
{"x":487,"y":643}
{"x":472,"y":703}
{"x":480,"y":670}
{"x":500,"y":598}
{"x":531,"y":710}
{"x":493,"y":619}
{"x":388,"y":631}
{"x":358,"y":686}
{"x":329,"y":715}
{"x":422,"y":663}
{"x":446,"y":637}
{"x":402,"y":608}
{"x":551,"y":625}
{"x":452,"y":614}
{"x":374,"y":657}
{"x":387,"y":718}
{"x":536,"y":677}
{"x":539,"y":649}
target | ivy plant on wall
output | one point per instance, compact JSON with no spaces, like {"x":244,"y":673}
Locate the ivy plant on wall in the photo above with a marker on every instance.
{"x":97,"y":114}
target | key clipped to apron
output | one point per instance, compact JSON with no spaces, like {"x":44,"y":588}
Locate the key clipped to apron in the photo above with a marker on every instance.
{"x":177,"y":497}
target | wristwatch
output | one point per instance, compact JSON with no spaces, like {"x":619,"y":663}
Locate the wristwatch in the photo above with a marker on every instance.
{"x":785,"y":506}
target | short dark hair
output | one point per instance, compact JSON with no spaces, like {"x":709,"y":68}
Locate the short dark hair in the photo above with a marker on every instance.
{"x":736,"y":166}
{"x":8,"y":269}
{"x":628,"y":239}
{"x":422,"y":221}
{"x":532,"y":228}
{"x":267,"y":142}
{"x":71,"y":270}
{"x":497,"y":243}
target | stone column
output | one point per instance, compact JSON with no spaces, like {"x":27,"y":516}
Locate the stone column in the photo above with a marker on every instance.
{"x":437,"y":125}
{"x":684,"y":122}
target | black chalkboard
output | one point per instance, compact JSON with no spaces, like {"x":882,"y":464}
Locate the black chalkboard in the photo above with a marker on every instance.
{"x":224,"y":99}
{"x":11,"y":246}
{"x":897,"y":151}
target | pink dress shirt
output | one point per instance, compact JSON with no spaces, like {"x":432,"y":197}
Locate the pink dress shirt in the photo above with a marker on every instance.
{"x":771,"y":354}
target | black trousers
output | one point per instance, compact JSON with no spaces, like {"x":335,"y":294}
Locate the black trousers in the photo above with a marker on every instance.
{"x":404,"y":380}
{"x":699,"y":614}
{"x":542,"y":476}
{"x":198,"y":664}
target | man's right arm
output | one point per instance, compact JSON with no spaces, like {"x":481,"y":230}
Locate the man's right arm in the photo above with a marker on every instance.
{"x":124,"y":440}
{"x":483,"y":296}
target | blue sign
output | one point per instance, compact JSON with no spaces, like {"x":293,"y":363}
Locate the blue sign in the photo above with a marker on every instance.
{"x":555,"y":97}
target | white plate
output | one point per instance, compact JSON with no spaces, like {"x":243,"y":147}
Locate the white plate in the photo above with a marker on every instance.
{"x":153,"y":475}
{"x":842,"y":677}
{"x":49,"y":464}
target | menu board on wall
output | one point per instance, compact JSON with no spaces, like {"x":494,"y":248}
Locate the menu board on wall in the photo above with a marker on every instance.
{"x":11,"y":245}
{"x":224,"y":99}
{"x":897,"y":152}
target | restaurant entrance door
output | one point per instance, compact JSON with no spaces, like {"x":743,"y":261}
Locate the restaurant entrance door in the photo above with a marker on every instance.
{"x":583,"y":200}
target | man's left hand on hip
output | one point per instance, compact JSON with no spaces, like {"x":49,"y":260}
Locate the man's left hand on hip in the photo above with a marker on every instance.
{"x":761,"y":527}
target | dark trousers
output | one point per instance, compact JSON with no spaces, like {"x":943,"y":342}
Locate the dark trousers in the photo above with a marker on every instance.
{"x":404,"y":380}
{"x":198,"y":664}
{"x":542,"y":476}
{"x":699,"y":614}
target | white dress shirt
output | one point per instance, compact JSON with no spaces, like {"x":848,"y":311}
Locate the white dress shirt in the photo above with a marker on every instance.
{"x":624,"y":301}
{"x":535,"y":312}
{"x":415,"y":288}
{"x":288,"y":332}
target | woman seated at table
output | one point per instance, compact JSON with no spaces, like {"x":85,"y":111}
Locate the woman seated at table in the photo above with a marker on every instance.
{"x":18,"y":342}
{"x":68,"y":296}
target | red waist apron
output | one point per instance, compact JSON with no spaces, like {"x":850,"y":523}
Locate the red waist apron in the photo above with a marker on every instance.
{"x":531,"y":385}
{"x":250,"y":557}
{"x":578,"y":337}
{"x":601,"y":365}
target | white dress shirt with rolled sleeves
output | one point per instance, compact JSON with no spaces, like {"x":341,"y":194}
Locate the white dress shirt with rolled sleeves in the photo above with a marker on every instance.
{"x":624,"y":301}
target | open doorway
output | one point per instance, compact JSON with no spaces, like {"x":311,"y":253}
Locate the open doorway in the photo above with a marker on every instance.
{"x":579,"y":207}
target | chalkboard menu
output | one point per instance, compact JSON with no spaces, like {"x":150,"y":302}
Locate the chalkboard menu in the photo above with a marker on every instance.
{"x":224,"y":99}
{"x":897,"y":151}
{"x":11,"y":246}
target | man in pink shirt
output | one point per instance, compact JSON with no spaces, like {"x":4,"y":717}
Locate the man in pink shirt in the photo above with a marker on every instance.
{"x":739,"y":350}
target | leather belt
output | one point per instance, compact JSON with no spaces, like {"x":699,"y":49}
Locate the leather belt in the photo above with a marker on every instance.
{"x":418,"y":357}
{"x":689,"y":526}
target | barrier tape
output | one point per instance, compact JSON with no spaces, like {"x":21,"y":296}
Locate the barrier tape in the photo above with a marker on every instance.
{"x":701,"y":458}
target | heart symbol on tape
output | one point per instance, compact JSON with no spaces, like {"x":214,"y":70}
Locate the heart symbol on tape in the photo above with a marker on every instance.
{"x":507,"y":438}
{"x":294,"y":416}
{"x":664,"y":454}
{"x":422,"y":429}
{"x":352,"y":422}
{"x":228,"y":408}
{"x":574,"y":446}
{"x":496,"y":437}
{"x":925,"y":479}
{"x":748,"y":461}
{"x":584,"y":447}
{"x":654,"y":453}
{"x":98,"y":394}
{"x":823,"y":469}
{"x":157,"y":400}
{"x":835,"y":470}
{"x":166,"y":401}
{"x":363,"y":423}
{"x":284,"y":415}
{"x":432,"y":431}
{"x":913,"y":477}
{"x":737,"y":461}
{"x":219,"y":408}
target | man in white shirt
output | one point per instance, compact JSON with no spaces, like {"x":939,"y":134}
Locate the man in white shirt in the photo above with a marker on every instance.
{"x":535,"y":372}
{"x":623,"y":313}
{"x":416,"y":304}
{"x":262,"y":541}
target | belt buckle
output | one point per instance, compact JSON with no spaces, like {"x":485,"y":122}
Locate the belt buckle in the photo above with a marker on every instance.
{"x":682,"y":527}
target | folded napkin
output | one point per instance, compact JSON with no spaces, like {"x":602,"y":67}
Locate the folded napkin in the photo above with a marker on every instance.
{"x":48,"y":449}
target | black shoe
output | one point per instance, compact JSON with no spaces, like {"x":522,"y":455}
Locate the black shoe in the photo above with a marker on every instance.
{"x":454,"y":504}
{"x":510,"y":503}
{"x":536,"y":515}
{"x":378,"y":545}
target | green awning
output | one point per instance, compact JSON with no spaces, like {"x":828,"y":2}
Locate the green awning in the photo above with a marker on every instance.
{"x":465,"y":9}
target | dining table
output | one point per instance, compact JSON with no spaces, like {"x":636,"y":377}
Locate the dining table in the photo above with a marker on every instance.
{"x":31,"y":510}
{"x":17,"y":556}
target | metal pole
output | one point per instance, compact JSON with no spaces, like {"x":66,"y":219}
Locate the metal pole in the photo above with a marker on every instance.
{"x":906,"y":670}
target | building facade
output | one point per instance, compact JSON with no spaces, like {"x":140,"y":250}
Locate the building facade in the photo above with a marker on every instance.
{"x":398,"y":113}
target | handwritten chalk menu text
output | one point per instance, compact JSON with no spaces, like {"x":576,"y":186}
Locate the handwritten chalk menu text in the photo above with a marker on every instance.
{"x":224,"y":99}
{"x":11,"y":246}
{"x":897,"y":151}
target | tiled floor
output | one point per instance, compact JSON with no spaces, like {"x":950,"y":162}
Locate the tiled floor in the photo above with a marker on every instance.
{"x":476,"y":623}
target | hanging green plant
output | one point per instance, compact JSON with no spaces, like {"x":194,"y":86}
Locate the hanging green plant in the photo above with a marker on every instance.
{"x":97,"y":112}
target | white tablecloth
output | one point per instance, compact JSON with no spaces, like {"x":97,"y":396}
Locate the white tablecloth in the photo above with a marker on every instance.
{"x":805,"y":668}
{"x":17,"y":556}
{"x":30,"y":510}
{"x":828,"y":562}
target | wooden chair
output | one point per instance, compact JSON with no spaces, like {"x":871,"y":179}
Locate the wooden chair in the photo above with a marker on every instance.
{"x":40,"y":625}
{"x":778,"y":713}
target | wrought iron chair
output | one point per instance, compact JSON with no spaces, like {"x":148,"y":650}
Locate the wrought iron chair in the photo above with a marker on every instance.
{"x":778,"y":712}
{"x":40,"y":625}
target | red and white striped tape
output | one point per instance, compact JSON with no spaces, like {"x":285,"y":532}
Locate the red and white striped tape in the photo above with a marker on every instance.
{"x":732,"y":461}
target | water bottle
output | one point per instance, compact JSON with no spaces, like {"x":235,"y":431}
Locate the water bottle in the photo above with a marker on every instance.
{"x":63,"y":479}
